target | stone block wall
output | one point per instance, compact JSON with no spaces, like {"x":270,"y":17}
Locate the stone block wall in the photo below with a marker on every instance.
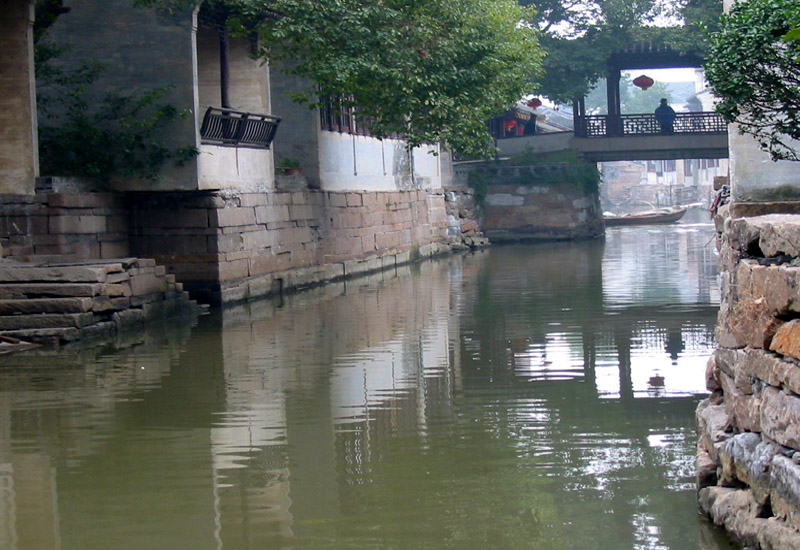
{"x":230,"y":246}
{"x":748,"y":461}
{"x":517,"y":212}
{"x":463,"y":218}
{"x":78,"y":225}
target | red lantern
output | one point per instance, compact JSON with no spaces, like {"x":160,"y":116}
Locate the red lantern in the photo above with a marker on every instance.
{"x":535,"y":102}
{"x":643,"y":82}
{"x":509,"y":124}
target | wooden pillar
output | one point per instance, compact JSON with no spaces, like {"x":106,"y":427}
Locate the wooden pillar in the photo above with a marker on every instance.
{"x":614,"y":127}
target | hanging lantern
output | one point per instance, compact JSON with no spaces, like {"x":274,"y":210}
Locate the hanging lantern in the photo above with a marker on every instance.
{"x":509,"y":124}
{"x":535,"y":102}
{"x":643,"y":82}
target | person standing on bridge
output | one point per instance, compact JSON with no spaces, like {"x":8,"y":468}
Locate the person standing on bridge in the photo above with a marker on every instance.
{"x":665,"y":116}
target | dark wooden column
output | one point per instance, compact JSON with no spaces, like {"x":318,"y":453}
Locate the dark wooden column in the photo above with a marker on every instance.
{"x":614,"y":127}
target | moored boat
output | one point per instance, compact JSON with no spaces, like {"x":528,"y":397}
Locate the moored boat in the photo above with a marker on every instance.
{"x":664,"y":215}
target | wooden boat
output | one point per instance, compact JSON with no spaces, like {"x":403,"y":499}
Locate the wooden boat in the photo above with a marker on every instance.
{"x":664,"y":215}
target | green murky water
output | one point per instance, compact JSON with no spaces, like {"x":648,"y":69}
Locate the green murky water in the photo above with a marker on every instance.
{"x":522,"y":397}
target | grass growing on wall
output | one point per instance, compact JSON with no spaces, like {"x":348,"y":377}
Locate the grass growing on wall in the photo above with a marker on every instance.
{"x":561,"y":168}
{"x":477,"y":180}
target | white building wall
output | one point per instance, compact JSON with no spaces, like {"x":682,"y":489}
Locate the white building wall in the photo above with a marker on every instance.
{"x":359,"y":163}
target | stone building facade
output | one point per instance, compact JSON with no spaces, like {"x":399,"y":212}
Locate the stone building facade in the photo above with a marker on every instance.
{"x":223,"y":223}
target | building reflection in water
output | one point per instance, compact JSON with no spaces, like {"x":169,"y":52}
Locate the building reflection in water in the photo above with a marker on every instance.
{"x":433,"y":394}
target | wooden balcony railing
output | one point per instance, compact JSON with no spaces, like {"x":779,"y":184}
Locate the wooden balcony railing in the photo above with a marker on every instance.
{"x":230,"y":128}
{"x":592,"y":126}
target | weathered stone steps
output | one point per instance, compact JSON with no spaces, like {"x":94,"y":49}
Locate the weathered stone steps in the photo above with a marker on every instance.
{"x":66,"y":301}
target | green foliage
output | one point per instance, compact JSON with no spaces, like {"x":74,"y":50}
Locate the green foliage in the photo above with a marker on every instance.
{"x":430,"y":70}
{"x":561,"y":168}
{"x":794,"y":35}
{"x":117,"y":136}
{"x":289,"y":162}
{"x":753,"y":69}
{"x":83,"y":135}
{"x":476,"y":179}
{"x":580,"y":35}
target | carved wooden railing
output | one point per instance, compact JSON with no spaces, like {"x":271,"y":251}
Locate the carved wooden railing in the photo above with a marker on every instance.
{"x":230,"y":128}
{"x":591,"y":126}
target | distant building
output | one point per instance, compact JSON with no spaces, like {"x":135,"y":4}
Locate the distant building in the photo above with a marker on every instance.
{"x":629,"y":185}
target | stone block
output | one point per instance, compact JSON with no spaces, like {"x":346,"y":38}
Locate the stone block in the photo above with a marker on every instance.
{"x":761,"y":365}
{"x":787,"y":339}
{"x":353,"y":199}
{"x":300,"y":212}
{"x":744,"y":410}
{"x":46,"y":320}
{"x":237,"y":269}
{"x":253,"y":199}
{"x":107,"y":303}
{"x":128,"y":318}
{"x":105,"y":331}
{"x":256,"y":240}
{"x":82,"y":274}
{"x":45,"y":305}
{"x":713,"y":424}
{"x":748,"y":321}
{"x":120,"y":277}
{"x":80,"y":200}
{"x":706,"y":470}
{"x":139,"y":301}
{"x":778,"y":234}
{"x":745,"y":458}
{"x":780,"y":417}
{"x":295,"y":235}
{"x":77,"y":224}
{"x":260,"y":264}
{"x":48,"y":335}
{"x":23,"y":225}
{"x":33,"y":290}
{"x":785,"y":490}
{"x":232,"y":217}
{"x":281,"y":197}
{"x":778,"y":285}
{"x":116,"y":289}
{"x":224,"y":243}
{"x":147,"y":283}
{"x":337,"y":199}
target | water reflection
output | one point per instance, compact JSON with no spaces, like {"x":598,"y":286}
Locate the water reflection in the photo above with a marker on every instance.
{"x":522,"y":397}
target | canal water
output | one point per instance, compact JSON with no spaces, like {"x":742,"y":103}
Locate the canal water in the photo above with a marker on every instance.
{"x":526,"y":396}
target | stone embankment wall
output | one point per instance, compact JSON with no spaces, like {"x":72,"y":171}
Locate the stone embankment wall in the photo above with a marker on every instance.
{"x":748,"y":462}
{"x":522,"y":204}
{"x":463,"y":218}
{"x":231,"y":246}
{"x":81,"y":225}
{"x":63,"y":302}
{"x":515,"y":212}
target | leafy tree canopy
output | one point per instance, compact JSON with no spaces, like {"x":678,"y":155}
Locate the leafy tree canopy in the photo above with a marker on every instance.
{"x":580,"y":35}
{"x":431,"y":70}
{"x":753,"y":69}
